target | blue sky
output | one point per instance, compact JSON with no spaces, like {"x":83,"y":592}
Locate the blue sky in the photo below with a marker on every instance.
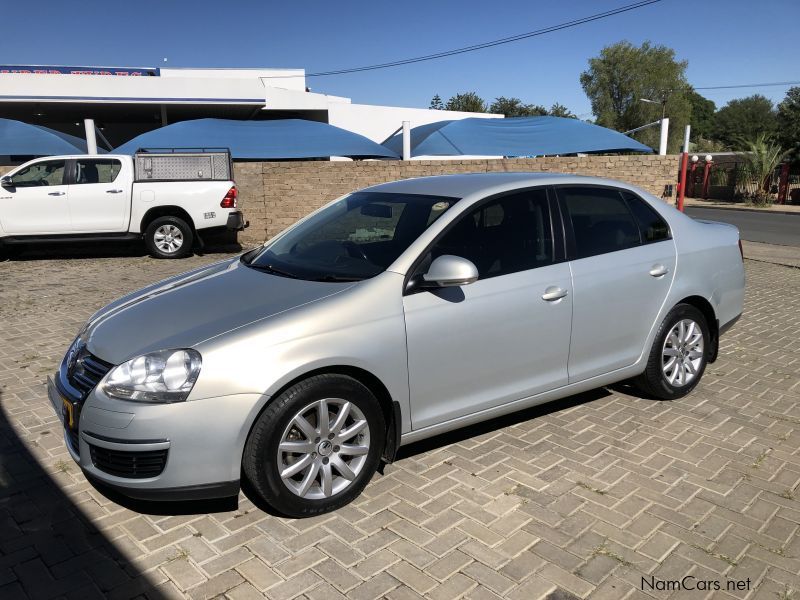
{"x":725,"y":42}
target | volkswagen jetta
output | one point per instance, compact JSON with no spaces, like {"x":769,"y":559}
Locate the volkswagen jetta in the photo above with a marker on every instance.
{"x":390,"y":315}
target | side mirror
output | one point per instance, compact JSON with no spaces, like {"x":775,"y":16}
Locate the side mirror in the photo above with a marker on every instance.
{"x":6,"y":181}
{"x":450,"y":271}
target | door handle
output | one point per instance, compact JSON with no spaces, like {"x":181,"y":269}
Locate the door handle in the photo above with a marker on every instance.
{"x":658,"y":270}
{"x":553,"y":293}
{"x":55,"y":193}
{"x":113,"y":191}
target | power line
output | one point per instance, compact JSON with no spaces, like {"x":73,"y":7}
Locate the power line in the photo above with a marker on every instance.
{"x":746,"y":85}
{"x":484,"y":45}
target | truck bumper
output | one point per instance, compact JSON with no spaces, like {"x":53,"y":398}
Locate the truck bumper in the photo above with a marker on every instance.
{"x":236,"y":221}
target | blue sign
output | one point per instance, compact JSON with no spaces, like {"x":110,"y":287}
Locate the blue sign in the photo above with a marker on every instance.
{"x":50,"y":70}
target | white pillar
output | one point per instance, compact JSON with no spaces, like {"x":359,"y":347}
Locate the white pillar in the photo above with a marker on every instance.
{"x":406,"y":140}
{"x":686,"y":138}
{"x":91,"y":138}
{"x":662,"y":145}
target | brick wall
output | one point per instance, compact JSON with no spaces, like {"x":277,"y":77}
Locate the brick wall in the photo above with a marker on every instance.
{"x":274,"y":195}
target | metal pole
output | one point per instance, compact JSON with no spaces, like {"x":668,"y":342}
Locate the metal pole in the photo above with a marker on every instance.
{"x":684,"y":164}
{"x":406,"y":140}
{"x":91,"y":139}
{"x":662,"y":145}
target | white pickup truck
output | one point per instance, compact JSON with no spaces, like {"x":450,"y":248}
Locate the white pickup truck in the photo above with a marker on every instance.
{"x":166,"y":197}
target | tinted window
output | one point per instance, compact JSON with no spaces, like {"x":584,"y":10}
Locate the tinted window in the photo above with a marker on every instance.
{"x":506,"y":235}
{"x":49,"y":172}
{"x":600,"y":220}
{"x":651,"y":225}
{"x":103,"y":170}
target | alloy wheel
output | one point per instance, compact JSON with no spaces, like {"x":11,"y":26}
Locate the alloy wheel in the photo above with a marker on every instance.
{"x":683,"y":352}
{"x":323,"y":448}
{"x":168,"y":238}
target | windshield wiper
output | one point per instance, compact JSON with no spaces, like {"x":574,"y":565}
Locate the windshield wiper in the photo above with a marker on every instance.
{"x":273,"y":269}
{"x":337,"y":278}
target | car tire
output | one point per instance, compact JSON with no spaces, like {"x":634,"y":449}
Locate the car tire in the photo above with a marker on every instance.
{"x":678,"y":356}
{"x":169,"y":237}
{"x":302,"y":469}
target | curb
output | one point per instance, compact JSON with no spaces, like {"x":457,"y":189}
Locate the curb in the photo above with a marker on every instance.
{"x":768,"y":211}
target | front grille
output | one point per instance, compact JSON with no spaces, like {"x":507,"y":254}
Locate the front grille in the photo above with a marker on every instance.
{"x":85,"y":371}
{"x":134,"y":465}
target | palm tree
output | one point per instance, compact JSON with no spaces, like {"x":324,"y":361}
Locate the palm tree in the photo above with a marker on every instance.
{"x":762,"y":157}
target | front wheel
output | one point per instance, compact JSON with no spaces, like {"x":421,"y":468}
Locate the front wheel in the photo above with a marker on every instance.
{"x":168,"y":237}
{"x":678,"y":356}
{"x":316,"y":446}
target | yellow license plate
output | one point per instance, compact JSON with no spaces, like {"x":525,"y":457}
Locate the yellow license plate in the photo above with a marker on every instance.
{"x":69,"y":413}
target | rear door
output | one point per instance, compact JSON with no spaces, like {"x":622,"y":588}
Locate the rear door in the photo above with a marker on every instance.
{"x":37,"y":203}
{"x":99,"y":195}
{"x":623,"y":263}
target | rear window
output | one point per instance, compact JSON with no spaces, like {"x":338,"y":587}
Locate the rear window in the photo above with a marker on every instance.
{"x":600,"y":220}
{"x":652,"y":226}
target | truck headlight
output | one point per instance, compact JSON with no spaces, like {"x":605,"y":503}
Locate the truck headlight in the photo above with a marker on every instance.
{"x":164,"y":376}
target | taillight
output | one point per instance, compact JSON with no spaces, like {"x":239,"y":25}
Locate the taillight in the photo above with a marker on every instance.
{"x":741,"y":250}
{"x":229,"y":201}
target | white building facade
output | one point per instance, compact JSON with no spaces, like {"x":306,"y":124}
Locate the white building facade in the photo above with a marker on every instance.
{"x":125,"y":102}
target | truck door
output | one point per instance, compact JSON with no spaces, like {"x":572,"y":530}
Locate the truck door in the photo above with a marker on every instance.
{"x":37,"y":200}
{"x":99,"y":195}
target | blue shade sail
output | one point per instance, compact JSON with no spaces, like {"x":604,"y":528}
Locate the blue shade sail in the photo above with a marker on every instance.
{"x":261,"y":140}
{"x":520,"y":136}
{"x":22,"y":139}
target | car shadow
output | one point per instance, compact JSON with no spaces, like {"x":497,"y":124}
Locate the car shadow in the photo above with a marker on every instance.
{"x":484,"y":427}
{"x":221,"y":244}
{"x":48,"y":545}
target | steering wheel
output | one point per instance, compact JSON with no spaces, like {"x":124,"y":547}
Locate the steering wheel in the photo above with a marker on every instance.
{"x":354,"y":250}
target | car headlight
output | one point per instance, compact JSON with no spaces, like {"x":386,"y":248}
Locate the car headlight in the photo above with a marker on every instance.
{"x":164,"y":376}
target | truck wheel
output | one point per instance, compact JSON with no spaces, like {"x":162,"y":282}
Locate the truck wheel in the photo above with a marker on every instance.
{"x":168,"y":237}
{"x":315,"y":446}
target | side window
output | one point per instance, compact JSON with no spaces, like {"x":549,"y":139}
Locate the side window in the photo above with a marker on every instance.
{"x":653,"y":227}
{"x":600,"y":220}
{"x":97,"y":170}
{"x":49,"y":172}
{"x":506,"y":235}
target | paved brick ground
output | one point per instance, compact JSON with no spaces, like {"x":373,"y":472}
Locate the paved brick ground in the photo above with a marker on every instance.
{"x":583,"y":498}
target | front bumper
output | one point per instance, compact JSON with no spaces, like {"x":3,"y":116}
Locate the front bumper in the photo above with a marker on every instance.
{"x":236,"y":221}
{"x":201,"y":443}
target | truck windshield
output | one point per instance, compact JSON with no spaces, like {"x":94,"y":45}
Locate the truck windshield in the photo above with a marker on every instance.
{"x":353,"y":239}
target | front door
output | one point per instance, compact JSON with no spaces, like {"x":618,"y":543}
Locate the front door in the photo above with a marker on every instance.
{"x":37,"y":202}
{"x":100,"y":197}
{"x":502,"y":338}
{"x":622,"y":269}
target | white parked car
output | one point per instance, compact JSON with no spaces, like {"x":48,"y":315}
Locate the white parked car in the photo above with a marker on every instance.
{"x":166,"y":198}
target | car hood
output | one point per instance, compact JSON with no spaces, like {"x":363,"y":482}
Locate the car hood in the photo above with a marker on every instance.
{"x":185,"y":310}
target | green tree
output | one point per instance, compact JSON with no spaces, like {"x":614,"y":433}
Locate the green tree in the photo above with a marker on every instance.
{"x":514,"y":107}
{"x":702,"y":120}
{"x":466,"y":102}
{"x":559,"y":110}
{"x":744,"y":119}
{"x":789,"y":120}
{"x":623,"y":74}
{"x":436,"y":102}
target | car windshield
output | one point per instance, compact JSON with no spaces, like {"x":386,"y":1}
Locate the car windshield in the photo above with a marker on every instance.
{"x":353,"y":239}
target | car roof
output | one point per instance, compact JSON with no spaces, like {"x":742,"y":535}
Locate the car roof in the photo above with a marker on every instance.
{"x":462,"y":185}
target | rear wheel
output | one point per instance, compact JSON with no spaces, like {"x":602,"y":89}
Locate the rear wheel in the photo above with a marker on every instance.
{"x":168,"y":237}
{"x":678,"y":356}
{"x":316,"y":446}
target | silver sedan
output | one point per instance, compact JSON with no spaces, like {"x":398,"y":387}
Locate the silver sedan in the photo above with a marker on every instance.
{"x":390,"y":315}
